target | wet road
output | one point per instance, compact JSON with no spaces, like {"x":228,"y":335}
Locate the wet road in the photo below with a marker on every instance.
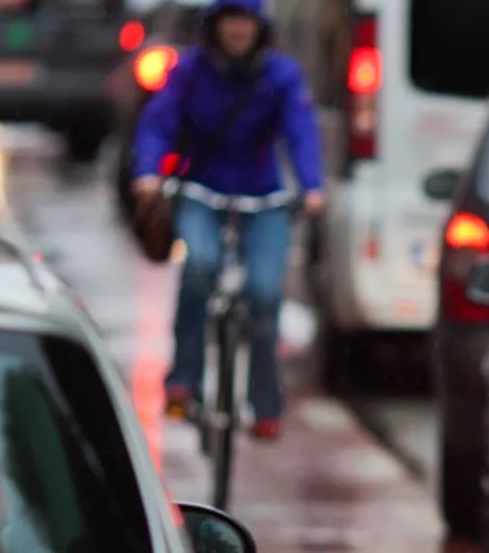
{"x":328,"y":486}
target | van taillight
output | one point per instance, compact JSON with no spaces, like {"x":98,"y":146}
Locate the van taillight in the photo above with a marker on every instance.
{"x":365,"y":75}
{"x":466,"y":238}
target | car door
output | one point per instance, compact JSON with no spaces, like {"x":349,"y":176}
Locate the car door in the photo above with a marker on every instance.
{"x":67,"y":480}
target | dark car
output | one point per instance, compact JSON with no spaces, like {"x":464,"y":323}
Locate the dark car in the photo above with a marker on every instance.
{"x":171,"y":27}
{"x":56,"y":57}
{"x":461,"y":339}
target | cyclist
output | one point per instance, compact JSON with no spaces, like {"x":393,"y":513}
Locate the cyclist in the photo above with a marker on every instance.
{"x":236,"y":49}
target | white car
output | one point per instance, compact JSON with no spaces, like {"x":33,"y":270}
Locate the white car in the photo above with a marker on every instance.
{"x":75,"y":472}
{"x":402,"y":89}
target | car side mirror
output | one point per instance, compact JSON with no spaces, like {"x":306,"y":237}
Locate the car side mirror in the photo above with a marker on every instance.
{"x":441,"y":185}
{"x":211,"y":530}
{"x":478,"y":284}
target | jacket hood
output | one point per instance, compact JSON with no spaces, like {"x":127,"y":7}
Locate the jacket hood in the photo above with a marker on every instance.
{"x":254,"y":7}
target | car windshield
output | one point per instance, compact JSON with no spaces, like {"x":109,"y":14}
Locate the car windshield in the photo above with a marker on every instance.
{"x":66,"y":481}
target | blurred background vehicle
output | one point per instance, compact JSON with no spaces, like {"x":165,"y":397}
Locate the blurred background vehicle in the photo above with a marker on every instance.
{"x":401,"y":99}
{"x":55,"y":60}
{"x":169,"y":27}
{"x":461,"y":340}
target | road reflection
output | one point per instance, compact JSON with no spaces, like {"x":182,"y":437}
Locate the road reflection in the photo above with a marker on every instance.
{"x":147,"y":372}
{"x":154,"y":349}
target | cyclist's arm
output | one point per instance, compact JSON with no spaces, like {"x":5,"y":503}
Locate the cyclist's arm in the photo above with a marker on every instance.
{"x":158,"y":125}
{"x":301,"y":131}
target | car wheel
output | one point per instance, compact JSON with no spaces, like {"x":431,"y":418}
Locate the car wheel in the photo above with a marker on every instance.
{"x":460,"y":493}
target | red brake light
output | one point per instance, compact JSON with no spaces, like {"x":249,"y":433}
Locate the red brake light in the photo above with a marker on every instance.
{"x":364,"y":82}
{"x":467,"y":237}
{"x":131,"y":36}
{"x":466,"y":230}
{"x":365,"y":74}
{"x":152,"y":66}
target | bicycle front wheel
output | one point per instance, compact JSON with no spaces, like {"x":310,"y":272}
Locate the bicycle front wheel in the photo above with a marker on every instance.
{"x":223,"y":423}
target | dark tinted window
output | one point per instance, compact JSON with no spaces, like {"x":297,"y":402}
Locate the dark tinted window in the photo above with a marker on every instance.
{"x":66,"y":480}
{"x":450,"y":41}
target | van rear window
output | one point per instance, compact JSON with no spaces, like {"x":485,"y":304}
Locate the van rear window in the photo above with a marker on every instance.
{"x":450,"y":46}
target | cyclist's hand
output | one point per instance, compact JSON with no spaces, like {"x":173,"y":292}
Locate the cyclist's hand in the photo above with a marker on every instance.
{"x":315,"y":202}
{"x":145,"y":190}
{"x":146,"y":186}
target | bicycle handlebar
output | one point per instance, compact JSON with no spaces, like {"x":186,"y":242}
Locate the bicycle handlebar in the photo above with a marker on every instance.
{"x":293,"y":203}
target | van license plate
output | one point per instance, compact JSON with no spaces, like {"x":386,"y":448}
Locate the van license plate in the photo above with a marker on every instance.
{"x":423,"y":257}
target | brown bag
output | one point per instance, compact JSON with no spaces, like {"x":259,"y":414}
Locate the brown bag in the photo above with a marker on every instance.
{"x":153,"y":226}
{"x":154,"y":221}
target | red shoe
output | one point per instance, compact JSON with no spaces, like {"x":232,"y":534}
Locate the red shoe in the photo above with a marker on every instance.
{"x":177,"y":403}
{"x":266,"y":430}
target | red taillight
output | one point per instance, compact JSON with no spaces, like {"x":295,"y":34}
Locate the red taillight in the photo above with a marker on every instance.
{"x":365,"y":74}
{"x":364,"y":83}
{"x":466,"y":238}
{"x":131,"y":36}
{"x":466,"y":230}
{"x":152,"y":66}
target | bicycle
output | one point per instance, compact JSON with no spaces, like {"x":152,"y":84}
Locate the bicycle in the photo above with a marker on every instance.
{"x":218,"y":419}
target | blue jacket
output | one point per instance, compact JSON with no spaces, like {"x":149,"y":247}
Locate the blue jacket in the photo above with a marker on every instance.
{"x":246,"y":160}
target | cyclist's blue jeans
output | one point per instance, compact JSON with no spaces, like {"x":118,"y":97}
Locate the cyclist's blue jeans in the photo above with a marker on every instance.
{"x":265,"y":240}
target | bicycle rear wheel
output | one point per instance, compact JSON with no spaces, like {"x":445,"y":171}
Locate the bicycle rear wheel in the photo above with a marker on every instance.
{"x":223,"y":419}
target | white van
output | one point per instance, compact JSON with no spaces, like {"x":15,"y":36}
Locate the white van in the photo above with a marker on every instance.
{"x":401,"y":85}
